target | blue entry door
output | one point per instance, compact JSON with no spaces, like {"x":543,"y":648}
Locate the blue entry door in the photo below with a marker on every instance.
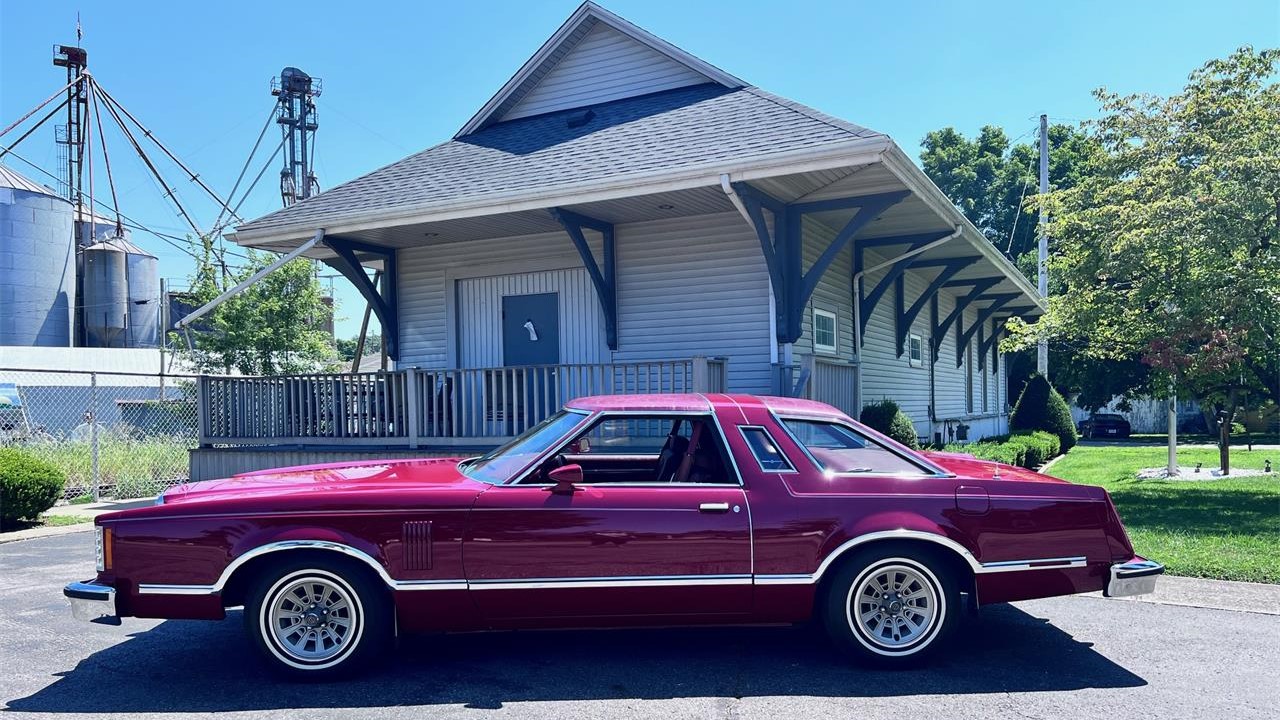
{"x":531,"y":329}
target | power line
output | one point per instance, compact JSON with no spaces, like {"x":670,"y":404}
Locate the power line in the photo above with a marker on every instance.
{"x":194,"y":177}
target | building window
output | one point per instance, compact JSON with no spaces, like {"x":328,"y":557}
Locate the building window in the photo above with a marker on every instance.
{"x":824,"y":331}
{"x":968,"y":379}
{"x":915,"y":350}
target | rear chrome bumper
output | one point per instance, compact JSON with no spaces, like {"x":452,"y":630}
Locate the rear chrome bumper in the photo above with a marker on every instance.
{"x":92,"y":602}
{"x":1135,"y":577}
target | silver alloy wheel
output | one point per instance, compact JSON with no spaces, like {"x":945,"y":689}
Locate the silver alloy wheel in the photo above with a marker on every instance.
{"x":895,"y":606}
{"x":312,"y":619}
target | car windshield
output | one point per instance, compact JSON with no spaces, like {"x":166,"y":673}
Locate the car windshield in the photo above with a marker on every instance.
{"x":1111,"y":418}
{"x":497,"y":466}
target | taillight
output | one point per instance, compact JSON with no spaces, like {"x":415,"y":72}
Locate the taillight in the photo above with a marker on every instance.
{"x":103,"y":547}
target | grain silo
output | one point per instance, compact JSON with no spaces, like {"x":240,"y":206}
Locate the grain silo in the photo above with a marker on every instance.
{"x":37,"y":264}
{"x":121,"y":288}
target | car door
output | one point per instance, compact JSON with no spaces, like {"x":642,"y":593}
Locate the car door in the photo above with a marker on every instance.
{"x":612,"y":551}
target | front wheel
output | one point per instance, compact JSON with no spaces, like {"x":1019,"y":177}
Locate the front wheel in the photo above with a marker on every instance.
{"x":891,"y":607}
{"x":318,"y":619}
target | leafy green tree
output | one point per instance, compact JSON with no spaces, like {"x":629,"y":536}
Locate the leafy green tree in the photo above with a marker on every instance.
{"x":347,"y":348}
{"x":273,"y":327}
{"x":991,"y":179}
{"x":1171,"y":252}
{"x":995,"y":182}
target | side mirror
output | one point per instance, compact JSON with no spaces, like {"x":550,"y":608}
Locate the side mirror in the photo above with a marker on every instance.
{"x":566,"y":479}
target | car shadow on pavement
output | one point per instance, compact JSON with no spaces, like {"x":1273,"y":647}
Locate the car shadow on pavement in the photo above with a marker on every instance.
{"x":191,"y":666}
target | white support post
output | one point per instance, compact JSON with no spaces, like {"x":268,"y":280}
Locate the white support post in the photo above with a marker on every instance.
{"x":412,"y":406}
{"x":701,"y":374}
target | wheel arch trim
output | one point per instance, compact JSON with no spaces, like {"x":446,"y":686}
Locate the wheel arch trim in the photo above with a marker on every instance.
{"x":846,"y":546}
{"x":288,"y":545}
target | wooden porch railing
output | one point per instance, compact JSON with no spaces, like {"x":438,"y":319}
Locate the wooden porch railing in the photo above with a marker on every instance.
{"x":828,"y":380}
{"x":412,"y":407}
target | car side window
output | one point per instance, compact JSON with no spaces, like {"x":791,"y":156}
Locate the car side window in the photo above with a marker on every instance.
{"x":627,"y":436}
{"x":840,"y":450}
{"x":646,"y":449}
{"x":765,"y":450}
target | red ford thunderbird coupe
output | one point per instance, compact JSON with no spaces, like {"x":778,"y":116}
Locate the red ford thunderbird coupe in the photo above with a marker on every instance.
{"x":616,"y":511}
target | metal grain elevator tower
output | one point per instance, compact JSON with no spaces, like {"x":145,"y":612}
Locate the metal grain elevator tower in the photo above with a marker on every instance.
{"x":295,"y":93}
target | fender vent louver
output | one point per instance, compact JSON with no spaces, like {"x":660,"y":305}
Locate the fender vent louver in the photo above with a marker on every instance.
{"x":416,"y":537}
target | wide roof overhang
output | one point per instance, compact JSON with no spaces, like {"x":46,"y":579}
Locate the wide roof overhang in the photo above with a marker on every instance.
{"x":862,"y":167}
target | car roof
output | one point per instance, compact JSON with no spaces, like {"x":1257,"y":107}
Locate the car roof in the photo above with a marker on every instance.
{"x":698,"y":402}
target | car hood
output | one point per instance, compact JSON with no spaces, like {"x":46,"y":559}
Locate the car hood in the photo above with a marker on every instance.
{"x":371,"y":476}
{"x":966,"y":465}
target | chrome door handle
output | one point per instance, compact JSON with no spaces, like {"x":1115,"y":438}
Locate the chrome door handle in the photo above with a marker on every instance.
{"x":714,"y":507}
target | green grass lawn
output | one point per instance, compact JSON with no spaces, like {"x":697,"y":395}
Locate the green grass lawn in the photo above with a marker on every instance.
{"x":61,"y":520}
{"x":1227,"y":529}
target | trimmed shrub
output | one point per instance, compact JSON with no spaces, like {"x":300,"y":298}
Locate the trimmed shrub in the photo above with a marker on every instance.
{"x":28,"y":486}
{"x":1028,"y":450}
{"x":886,"y":417}
{"x":1040,"y":407}
{"x":1001,"y":452}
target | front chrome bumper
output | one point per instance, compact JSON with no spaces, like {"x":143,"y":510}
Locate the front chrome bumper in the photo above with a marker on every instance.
{"x":1135,"y":577}
{"x":92,"y":602}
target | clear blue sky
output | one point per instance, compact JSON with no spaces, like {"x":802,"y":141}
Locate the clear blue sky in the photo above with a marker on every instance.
{"x":400,"y":76}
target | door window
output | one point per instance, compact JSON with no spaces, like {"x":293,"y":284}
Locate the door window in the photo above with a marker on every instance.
{"x":646,"y":449}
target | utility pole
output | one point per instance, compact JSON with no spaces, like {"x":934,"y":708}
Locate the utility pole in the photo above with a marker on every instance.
{"x":1042,"y":348}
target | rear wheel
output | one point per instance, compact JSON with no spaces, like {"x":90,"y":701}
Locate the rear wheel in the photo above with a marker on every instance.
{"x":892,"y":607}
{"x":318,"y":618}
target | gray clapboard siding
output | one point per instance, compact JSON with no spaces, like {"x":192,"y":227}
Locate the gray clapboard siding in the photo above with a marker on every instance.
{"x":428,"y":274}
{"x":885,"y":373}
{"x":834,"y":292}
{"x":479,"y":313}
{"x":604,"y":65}
{"x":695,"y":286}
{"x":686,"y":286}
{"x":949,"y":379}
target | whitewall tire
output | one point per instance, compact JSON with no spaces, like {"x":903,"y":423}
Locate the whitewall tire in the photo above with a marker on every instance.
{"x":891,"y":606}
{"x":318,"y":618}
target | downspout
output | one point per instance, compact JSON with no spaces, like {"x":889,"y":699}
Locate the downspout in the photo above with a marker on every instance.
{"x":857,"y":297}
{"x":773,"y":315}
{"x":185,"y":322}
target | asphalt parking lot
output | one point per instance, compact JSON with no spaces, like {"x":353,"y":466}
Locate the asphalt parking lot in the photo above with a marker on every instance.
{"x":1077,"y":657}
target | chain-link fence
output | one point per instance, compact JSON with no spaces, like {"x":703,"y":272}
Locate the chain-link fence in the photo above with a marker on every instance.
{"x":114,"y":435}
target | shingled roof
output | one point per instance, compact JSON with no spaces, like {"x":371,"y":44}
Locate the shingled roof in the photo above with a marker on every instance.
{"x":635,"y":136}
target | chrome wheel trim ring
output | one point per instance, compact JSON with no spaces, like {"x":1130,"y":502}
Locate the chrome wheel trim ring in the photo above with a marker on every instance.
{"x":908,"y":619}
{"x":311,"y":619}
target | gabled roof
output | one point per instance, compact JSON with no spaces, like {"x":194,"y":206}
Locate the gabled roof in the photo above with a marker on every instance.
{"x":703,"y":125}
{"x":583,"y":42}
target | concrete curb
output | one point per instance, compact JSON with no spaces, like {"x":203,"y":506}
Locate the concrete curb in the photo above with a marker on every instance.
{"x":43,"y":532}
{"x":1232,"y":595}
